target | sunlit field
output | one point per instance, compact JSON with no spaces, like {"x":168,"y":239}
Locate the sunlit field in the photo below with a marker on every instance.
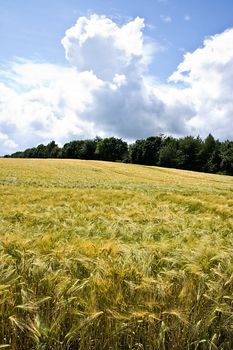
{"x":98,"y":255}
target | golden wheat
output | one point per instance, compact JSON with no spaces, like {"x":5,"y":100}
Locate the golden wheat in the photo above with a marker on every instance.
{"x":97,"y":255}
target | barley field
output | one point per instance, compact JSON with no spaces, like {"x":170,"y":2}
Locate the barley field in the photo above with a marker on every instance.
{"x":110,"y":256}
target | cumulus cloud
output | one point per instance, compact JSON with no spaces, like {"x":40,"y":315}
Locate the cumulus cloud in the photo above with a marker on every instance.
{"x":7,"y":142}
{"x":97,"y":44}
{"x":208,"y":75}
{"x":107,"y":90}
{"x":43,"y":102}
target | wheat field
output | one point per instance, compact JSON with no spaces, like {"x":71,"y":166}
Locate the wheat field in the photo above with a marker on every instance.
{"x":100,"y":255}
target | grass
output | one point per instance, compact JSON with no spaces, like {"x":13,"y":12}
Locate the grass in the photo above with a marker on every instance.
{"x":97,"y":255}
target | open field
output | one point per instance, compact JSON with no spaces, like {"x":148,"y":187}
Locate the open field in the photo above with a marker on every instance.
{"x":97,"y":255}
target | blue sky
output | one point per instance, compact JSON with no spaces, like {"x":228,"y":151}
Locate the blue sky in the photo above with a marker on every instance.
{"x":33,"y":29}
{"x":76,"y":69}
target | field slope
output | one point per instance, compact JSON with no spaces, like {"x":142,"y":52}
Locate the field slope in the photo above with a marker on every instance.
{"x":97,"y":255}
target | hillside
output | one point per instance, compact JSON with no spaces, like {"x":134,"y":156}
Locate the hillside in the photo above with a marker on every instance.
{"x":100,"y":255}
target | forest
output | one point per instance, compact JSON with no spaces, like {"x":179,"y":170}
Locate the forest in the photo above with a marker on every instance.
{"x":188,"y":153}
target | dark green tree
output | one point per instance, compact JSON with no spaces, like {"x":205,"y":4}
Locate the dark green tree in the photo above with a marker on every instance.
{"x":72,"y":149}
{"x":52,"y":150}
{"x":111,"y":149}
{"x":189,"y":151}
{"x":208,"y":154}
{"x":151,"y":150}
{"x":136,"y":154}
{"x":226,"y":155}
{"x":168,"y":154}
{"x":87,"y":149}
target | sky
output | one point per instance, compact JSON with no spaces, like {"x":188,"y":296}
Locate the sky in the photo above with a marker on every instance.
{"x":130,"y":69}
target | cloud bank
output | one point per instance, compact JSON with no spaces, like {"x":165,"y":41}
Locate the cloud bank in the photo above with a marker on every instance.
{"x":106,"y":89}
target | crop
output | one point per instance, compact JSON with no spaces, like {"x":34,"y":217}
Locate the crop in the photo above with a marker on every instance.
{"x":100,"y":255}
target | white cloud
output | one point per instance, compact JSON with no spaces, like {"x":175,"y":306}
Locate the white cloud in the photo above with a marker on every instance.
{"x":5,"y":141}
{"x":45,"y":102}
{"x":208,"y":75}
{"x":98,"y":44}
{"x":107,"y":89}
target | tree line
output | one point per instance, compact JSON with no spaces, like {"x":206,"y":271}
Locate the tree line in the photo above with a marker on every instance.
{"x":189,"y":153}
